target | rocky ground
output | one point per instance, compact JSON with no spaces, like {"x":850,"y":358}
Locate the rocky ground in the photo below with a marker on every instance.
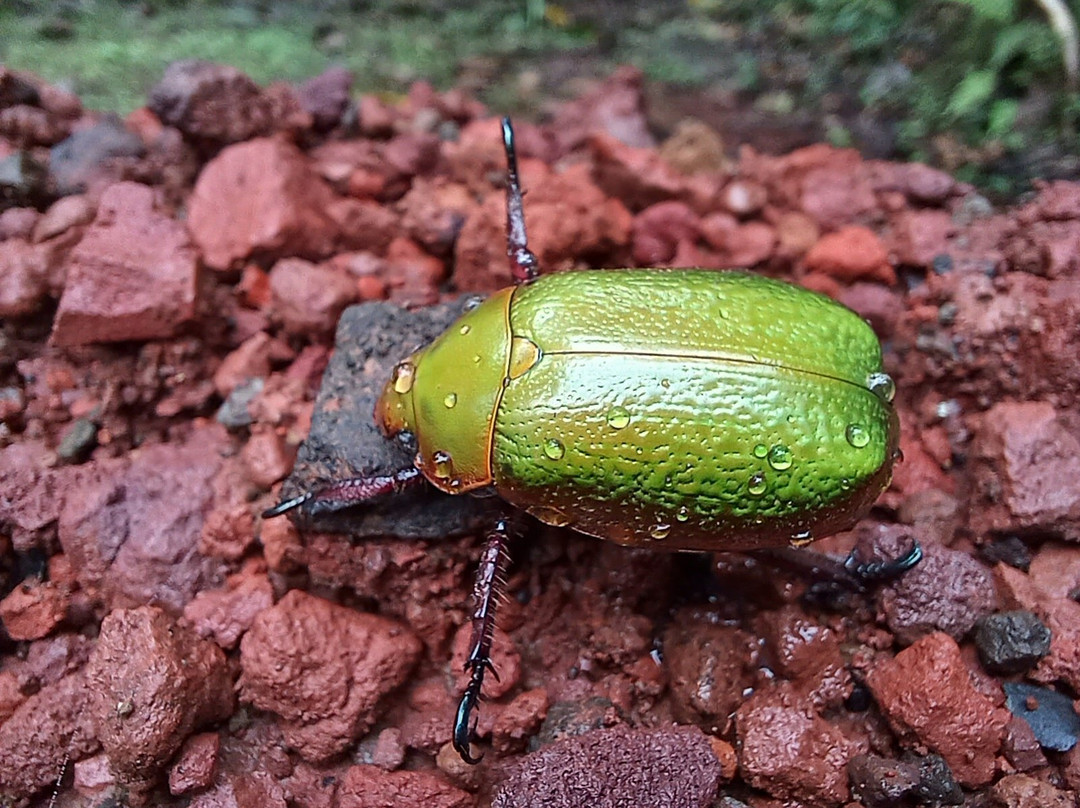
{"x":169,"y":289}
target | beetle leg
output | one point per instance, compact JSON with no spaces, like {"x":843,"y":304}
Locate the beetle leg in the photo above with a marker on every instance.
{"x":523,"y":264}
{"x":352,"y":491}
{"x":850,"y":574}
{"x":485,"y":598}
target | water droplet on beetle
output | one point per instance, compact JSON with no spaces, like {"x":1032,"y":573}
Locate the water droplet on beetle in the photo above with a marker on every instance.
{"x":882,"y":386}
{"x":845,"y":484}
{"x":554,"y":449}
{"x":802,"y":538}
{"x":524,"y":353}
{"x":443,"y":464}
{"x":465,"y":329}
{"x":403,"y":377}
{"x":618,"y":417}
{"x":550,"y":516}
{"x":660,"y":531}
{"x":683,"y":513}
{"x":857,"y":435}
{"x":450,"y":401}
{"x":472,"y":302}
{"x":476,"y":359}
{"x":756,"y":486}
{"x":665,"y":383}
{"x":760,"y":451}
{"x":780,"y":457}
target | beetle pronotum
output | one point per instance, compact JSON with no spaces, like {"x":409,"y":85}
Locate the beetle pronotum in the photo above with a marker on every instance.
{"x":683,"y":409}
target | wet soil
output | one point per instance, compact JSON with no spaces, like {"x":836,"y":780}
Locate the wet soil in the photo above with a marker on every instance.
{"x":170,"y":286}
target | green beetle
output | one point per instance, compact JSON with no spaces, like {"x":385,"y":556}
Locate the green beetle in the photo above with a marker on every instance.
{"x":684,"y":409}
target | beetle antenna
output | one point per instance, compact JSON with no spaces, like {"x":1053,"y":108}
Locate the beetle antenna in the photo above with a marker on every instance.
{"x":349,"y":492}
{"x":523,"y":264}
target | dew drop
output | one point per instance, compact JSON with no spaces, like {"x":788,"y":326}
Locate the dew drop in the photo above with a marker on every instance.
{"x":756,"y":486}
{"x":618,"y":417}
{"x":682,"y":514}
{"x":802,"y":538}
{"x":550,"y":516}
{"x":845,"y":484}
{"x":443,"y":463}
{"x":403,"y":377}
{"x":882,"y":386}
{"x":465,"y":329}
{"x":760,"y":451}
{"x":554,"y":449}
{"x":450,"y":401}
{"x":857,"y":435}
{"x":524,"y":354}
{"x":665,"y":383}
{"x":472,"y":302}
{"x":780,"y":457}
{"x":660,"y":531}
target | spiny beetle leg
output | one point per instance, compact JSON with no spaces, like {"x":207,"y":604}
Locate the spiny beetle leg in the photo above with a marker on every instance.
{"x":850,"y":574}
{"x":523,"y":264}
{"x":486,"y":592}
{"x":352,"y":491}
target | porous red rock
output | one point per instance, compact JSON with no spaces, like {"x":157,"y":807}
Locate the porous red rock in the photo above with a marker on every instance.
{"x":1026,"y":460}
{"x":25,"y":270}
{"x":132,"y":526}
{"x":212,"y":104}
{"x":637,"y":177}
{"x":1025,"y":791}
{"x":709,"y":668}
{"x":616,"y":767}
{"x":920,"y":236}
{"x":33,"y":609}
{"x":806,"y":653}
{"x":249,"y":361}
{"x":195,"y":763}
{"x":657,"y":230}
{"x":223,"y":615}
{"x":266,"y":457}
{"x":260,"y":198}
{"x":131,"y":277}
{"x":50,"y":727}
{"x":615,"y":107}
{"x":519,"y":720}
{"x":325,"y":97}
{"x":227,"y":532}
{"x":948,"y":590}
{"x":62,"y":215}
{"x":371,"y":787}
{"x":504,"y":655}
{"x":308,"y":298}
{"x":323,"y":669}
{"x":152,"y":681}
{"x":789,"y":751}
{"x":928,"y":695}
{"x":738,"y":244}
{"x":850,"y":254}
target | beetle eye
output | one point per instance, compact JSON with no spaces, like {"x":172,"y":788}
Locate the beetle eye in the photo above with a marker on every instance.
{"x":407,"y":440}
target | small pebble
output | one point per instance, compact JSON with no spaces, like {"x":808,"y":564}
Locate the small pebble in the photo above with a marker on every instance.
{"x":1050,"y":714}
{"x":1011,"y":642}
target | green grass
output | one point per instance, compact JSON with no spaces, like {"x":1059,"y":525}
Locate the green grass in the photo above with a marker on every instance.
{"x":111,"y":53}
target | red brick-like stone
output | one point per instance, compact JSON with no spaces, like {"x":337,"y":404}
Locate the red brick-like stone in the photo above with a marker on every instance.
{"x":195,"y":763}
{"x":323,"y":669}
{"x":132,"y":277}
{"x":152,"y":681}
{"x":260,"y":198}
{"x":372,"y":787}
{"x":928,"y":695}
{"x":33,"y":609}
{"x":850,"y":254}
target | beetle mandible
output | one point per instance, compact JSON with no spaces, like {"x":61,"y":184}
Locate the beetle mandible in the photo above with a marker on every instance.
{"x":682,"y":409}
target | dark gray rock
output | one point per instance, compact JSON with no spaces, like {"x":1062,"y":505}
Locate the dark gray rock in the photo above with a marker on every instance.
{"x":1011,"y":642}
{"x":1050,"y":714}
{"x":344,"y":441}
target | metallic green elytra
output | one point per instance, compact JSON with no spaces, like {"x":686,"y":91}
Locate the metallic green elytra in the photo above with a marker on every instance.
{"x":681,"y":408}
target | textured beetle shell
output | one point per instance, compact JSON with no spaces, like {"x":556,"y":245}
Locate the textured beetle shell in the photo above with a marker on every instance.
{"x":688,"y":409}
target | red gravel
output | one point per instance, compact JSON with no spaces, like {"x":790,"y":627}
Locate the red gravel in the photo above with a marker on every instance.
{"x":168,"y":647}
